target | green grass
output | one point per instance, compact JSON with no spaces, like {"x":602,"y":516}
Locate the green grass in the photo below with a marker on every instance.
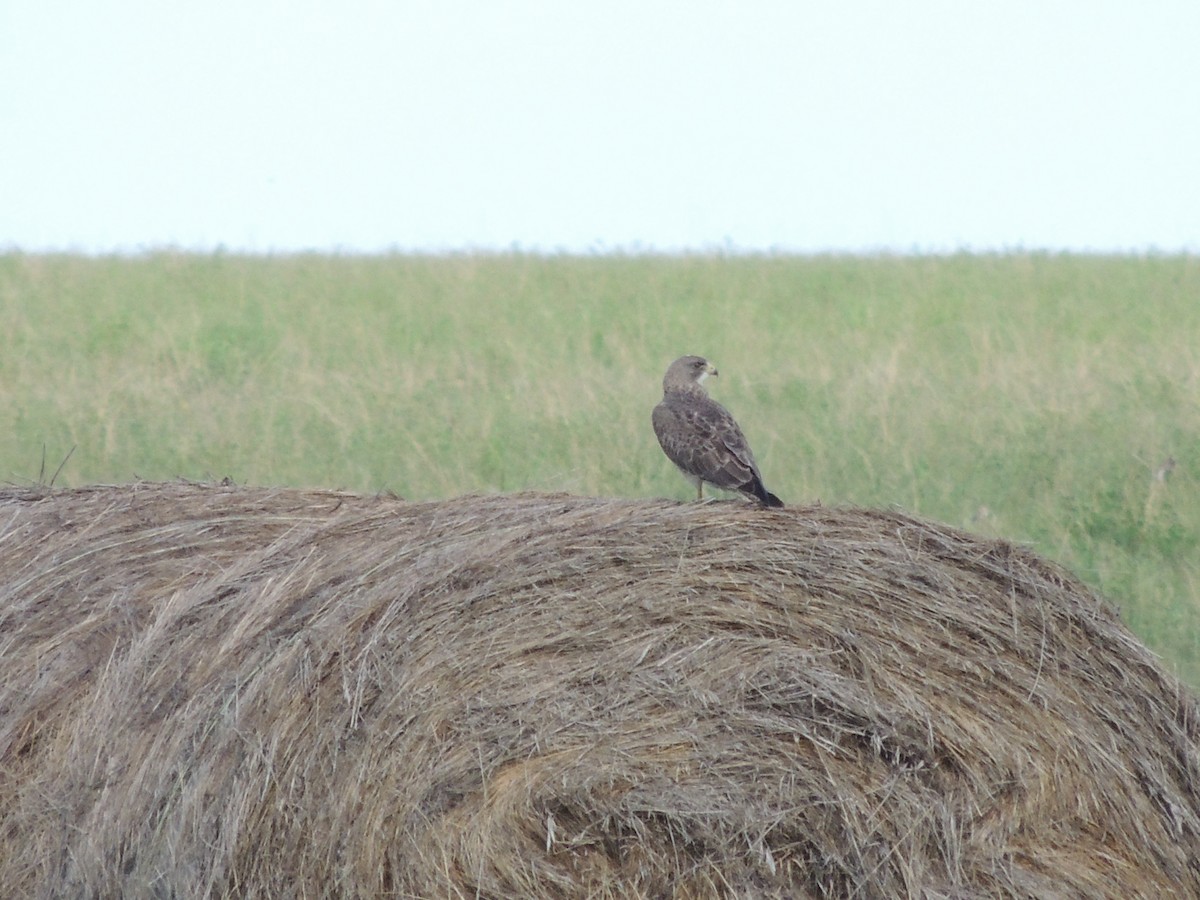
{"x":1027,"y":396}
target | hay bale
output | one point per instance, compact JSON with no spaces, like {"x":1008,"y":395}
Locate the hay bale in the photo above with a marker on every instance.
{"x":210,"y":691}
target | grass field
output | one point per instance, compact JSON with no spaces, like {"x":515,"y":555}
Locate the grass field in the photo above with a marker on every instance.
{"x":1032,"y":397}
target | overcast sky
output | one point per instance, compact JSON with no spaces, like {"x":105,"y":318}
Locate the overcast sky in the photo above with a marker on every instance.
{"x":265,"y":125}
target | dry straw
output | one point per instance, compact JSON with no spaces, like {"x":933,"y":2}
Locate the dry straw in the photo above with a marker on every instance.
{"x":213,"y":691}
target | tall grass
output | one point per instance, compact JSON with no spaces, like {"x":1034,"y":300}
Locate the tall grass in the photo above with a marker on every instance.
{"x":1029,"y":396}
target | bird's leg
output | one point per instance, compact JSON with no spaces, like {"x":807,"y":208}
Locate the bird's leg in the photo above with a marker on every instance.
{"x":699,"y":490}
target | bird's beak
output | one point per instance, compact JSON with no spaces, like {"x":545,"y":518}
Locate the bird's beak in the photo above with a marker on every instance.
{"x":711,"y":370}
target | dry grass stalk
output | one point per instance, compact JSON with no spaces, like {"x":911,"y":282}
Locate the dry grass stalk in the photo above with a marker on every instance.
{"x":210,"y":691}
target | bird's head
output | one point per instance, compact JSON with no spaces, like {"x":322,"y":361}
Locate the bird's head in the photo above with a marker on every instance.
{"x":688,"y":371}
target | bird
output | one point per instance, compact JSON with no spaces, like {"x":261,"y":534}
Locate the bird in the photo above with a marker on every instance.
{"x":700,"y":436}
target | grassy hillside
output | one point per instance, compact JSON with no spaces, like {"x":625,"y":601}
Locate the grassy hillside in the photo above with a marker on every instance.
{"x":1032,"y":397}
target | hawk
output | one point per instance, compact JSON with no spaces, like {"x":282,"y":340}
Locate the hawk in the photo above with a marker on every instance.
{"x":700,"y":436}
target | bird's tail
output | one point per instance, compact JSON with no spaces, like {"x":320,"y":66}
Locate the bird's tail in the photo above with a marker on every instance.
{"x":765,"y":497}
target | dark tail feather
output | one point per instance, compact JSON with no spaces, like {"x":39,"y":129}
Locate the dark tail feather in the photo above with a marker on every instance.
{"x":765,"y":497}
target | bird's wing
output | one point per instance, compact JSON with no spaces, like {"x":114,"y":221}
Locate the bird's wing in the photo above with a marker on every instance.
{"x":702,"y":438}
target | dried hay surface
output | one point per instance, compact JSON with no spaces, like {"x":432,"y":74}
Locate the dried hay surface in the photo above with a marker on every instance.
{"x":212,"y":691}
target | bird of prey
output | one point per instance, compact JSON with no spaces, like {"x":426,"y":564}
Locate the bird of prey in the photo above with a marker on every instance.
{"x":700,"y":436}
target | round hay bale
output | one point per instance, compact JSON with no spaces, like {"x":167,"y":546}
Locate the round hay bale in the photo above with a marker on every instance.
{"x":210,"y":691}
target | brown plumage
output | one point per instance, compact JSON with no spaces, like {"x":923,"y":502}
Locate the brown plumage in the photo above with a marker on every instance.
{"x":700,"y":436}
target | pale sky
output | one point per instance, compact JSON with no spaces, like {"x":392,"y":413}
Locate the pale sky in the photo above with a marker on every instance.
{"x":356,"y":126}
